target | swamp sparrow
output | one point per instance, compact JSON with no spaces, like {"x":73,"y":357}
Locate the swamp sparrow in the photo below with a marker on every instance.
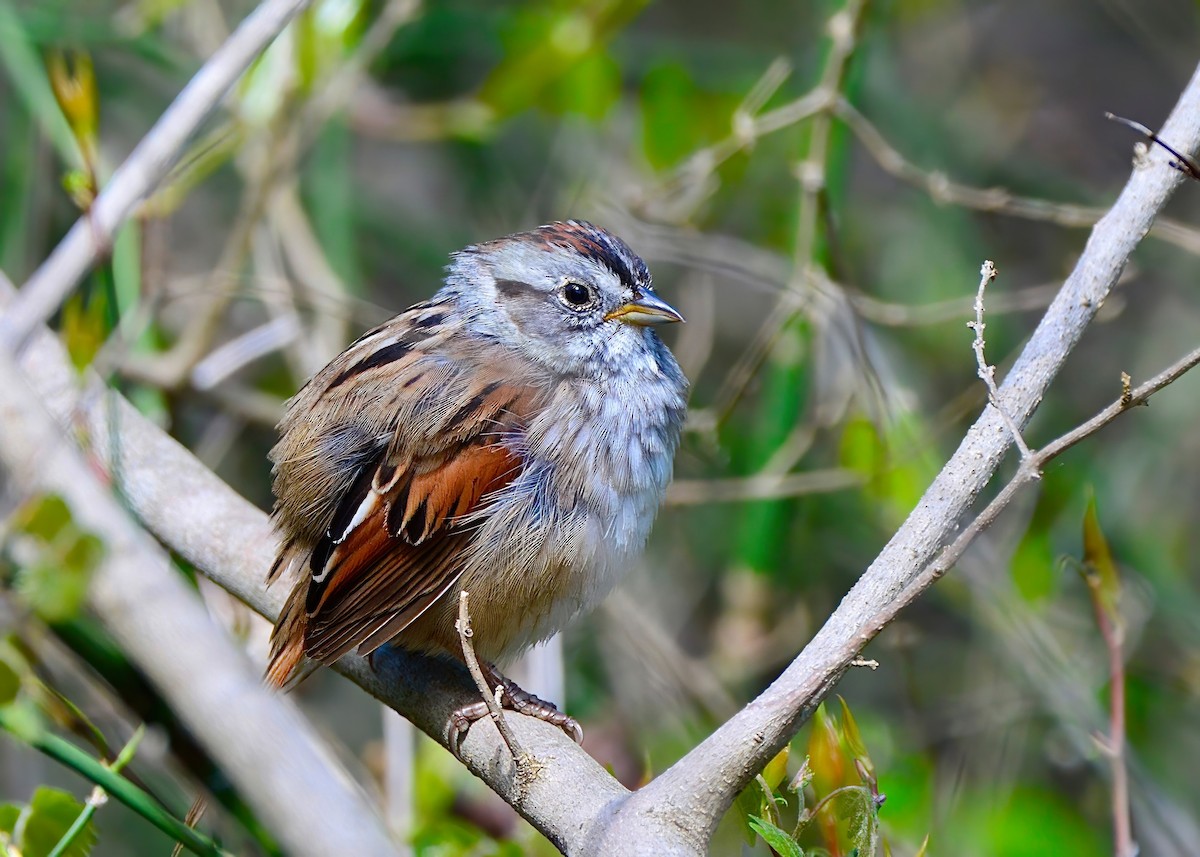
{"x":512,"y":437}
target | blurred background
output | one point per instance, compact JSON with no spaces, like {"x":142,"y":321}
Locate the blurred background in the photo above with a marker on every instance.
{"x":811,"y":196}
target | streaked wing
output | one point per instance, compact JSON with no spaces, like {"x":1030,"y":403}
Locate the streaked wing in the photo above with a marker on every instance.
{"x":401,"y":551}
{"x":394,"y":541}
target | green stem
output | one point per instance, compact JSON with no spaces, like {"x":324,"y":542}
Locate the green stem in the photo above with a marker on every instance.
{"x":98,"y":796}
{"x":77,"y":825}
{"x":111,"y":781}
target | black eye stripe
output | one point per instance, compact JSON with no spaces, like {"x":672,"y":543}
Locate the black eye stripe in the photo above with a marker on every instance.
{"x":572,"y":294}
{"x":514,"y":288}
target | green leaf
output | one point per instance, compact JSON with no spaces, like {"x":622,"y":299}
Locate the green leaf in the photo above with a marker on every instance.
{"x":748,"y":805}
{"x":84,"y":554}
{"x":54,"y":591}
{"x":924,"y":849}
{"x":779,"y":840}
{"x":10,"y":683}
{"x":23,"y":719}
{"x":1004,"y":827}
{"x":668,"y":121}
{"x":591,"y":87}
{"x":52,"y":812}
{"x":10,"y":814}
{"x":544,"y":49}
{"x":1033,"y":574}
{"x":85,"y":326}
{"x":54,"y":581}
{"x":861,"y":819}
{"x":825,"y":753}
{"x":45,"y":517}
{"x":28,"y":78}
{"x":127,"y":278}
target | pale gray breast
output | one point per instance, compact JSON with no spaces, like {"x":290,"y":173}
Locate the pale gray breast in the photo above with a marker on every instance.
{"x":607,"y":446}
{"x":598,"y":457}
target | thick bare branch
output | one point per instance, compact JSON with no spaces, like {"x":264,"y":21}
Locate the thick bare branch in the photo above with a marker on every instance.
{"x":268,"y":749}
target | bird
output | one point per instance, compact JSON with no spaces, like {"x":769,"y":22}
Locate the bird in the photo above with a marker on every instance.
{"x":512,"y":437}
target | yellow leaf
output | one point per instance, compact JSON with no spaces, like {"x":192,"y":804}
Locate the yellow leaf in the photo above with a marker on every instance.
{"x":1099,"y":569}
{"x":776,"y":769}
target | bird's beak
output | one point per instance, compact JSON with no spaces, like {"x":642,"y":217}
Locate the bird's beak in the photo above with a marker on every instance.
{"x":648,"y":309}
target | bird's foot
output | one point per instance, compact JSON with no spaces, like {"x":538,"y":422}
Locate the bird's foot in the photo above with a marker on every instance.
{"x":514,"y":698}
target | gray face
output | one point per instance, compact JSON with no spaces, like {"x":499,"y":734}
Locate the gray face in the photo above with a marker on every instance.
{"x":556,"y":294}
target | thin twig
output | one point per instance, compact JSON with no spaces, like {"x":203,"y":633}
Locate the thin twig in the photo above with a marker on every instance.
{"x":890,"y":314}
{"x":231,"y":357}
{"x":1186,"y":164}
{"x":172,"y":368}
{"x":1028,"y":472}
{"x":942,"y":189}
{"x":765,"y":486}
{"x":987,"y":273}
{"x":337,"y":89}
{"x":92,"y":235}
{"x":807,"y":275}
{"x":463,"y":625}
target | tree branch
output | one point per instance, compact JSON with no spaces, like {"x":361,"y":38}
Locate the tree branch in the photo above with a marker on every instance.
{"x":91,"y":236}
{"x":942,"y":189}
{"x":268,"y":749}
{"x":704,"y":782}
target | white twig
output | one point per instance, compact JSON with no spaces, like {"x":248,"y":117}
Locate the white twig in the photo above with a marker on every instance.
{"x":230,"y":357}
{"x":766,"y":486}
{"x":92,"y":235}
{"x":987,"y":273}
{"x":399,"y":778}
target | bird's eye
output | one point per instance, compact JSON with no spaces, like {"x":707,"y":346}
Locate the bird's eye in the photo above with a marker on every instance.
{"x":577,"y":296}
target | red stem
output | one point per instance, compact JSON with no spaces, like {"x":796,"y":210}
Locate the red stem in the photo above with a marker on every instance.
{"x":1113,"y":636}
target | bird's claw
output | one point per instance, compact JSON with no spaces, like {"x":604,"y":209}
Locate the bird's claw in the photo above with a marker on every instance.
{"x":515,"y":699}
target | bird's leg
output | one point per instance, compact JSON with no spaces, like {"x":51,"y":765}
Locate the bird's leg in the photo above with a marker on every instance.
{"x":513,"y":697}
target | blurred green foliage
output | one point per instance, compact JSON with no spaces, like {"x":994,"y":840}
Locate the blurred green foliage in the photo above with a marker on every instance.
{"x":37,"y":829}
{"x":373,"y":139}
{"x":59,"y":557}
